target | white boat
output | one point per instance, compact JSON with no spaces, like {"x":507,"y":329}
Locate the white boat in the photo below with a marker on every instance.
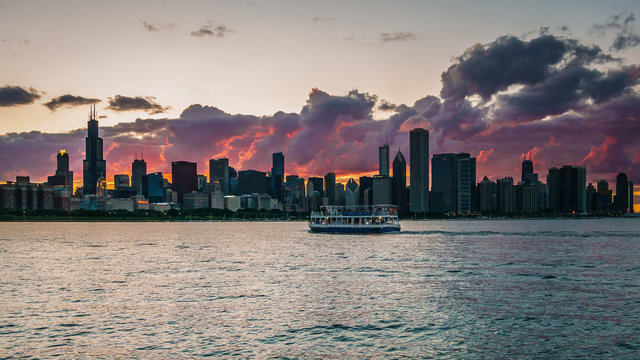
{"x":355,"y":219}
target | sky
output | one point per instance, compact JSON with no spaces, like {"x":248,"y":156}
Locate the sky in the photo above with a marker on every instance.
{"x":325,"y":82}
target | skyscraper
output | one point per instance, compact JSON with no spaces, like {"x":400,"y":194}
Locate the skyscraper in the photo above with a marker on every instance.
{"x":252,"y":182}
{"x":366,"y":183}
{"x":317,"y":185}
{"x":277,"y":175}
{"x":503,"y":195}
{"x":567,"y":189}
{"x":330,"y":187}
{"x":219,"y":171}
{"x":419,"y":170}
{"x":399,"y":192}
{"x":120,"y":181}
{"x":352,"y":193}
{"x":138,"y":171}
{"x":621,"y":198}
{"x":94,"y":167}
{"x":63,"y":176}
{"x":443,"y":188}
{"x":486,"y":195}
{"x":527,"y":170}
{"x":383,"y":160}
{"x":184,"y":177}
{"x":454,"y":183}
{"x":466,"y":183}
{"x":155,"y":187}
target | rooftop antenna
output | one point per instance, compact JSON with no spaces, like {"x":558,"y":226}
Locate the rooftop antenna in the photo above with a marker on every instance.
{"x":141,"y":156}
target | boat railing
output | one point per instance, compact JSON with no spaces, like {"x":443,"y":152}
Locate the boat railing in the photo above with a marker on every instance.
{"x":356,"y":210}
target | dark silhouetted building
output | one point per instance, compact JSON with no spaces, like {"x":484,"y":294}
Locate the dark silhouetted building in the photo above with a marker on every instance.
{"x":184,"y":177}
{"x":94,"y":167}
{"x":382,"y":188}
{"x":330,"y":187}
{"x":453,"y":185}
{"x":219,"y":171}
{"x":399,"y":183}
{"x":366,"y":183}
{"x":503,"y":198}
{"x":317,"y":184}
{"x":120,"y":181}
{"x":155,"y":187}
{"x":383,"y":160}
{"x":567,"y":189}
{"x":138,"y":171}
{"x":63,"y":176}
{"x":443,"y":187}
{"x":252,"y":182}
{"x":419,"y":170}
{"x":630,"y":196}
{"x":352,"y":193}
{"x":527,"y":171}
{"x":487,"y":195}
{"x":277,"y":175}
{"x":202,"y":182}
{"x":621,"y":198}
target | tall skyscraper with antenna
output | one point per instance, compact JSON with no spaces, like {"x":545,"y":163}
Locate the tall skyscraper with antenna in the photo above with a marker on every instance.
{"x":94,"y":167}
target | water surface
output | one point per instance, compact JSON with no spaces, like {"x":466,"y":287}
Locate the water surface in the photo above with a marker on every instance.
{"x":462,"y":289}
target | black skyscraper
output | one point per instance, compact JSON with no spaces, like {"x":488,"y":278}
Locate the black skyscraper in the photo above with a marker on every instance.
{"x":317,"y":184}
{"x":419,"y":170}
{"x":621,"y":198}
{"x":63,"y":176}
{"x":277,"y":176}
{"x":219,"y":171}
{"x":399,"y":192}
{"x":366,"y":183}
{"x":138,"y":171}
{"x":330,"y":187}
{"x":184,"y":177}
{"x":252,"y":182}
{"x":94,"y":166}
{"x":527,"y":170}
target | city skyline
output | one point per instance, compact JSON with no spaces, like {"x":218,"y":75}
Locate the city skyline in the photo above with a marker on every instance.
{"x":574,"y":103}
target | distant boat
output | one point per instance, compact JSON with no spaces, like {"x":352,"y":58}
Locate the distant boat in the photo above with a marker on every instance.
{"x":355,"y":219}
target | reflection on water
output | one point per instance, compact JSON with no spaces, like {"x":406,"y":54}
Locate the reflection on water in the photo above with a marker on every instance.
{"x":489,"y":289}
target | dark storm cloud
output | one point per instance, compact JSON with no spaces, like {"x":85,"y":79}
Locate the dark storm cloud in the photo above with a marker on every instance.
{"x":398,"y":37}
{"x":143,"y":103}
{"x":386,"y":106}
{"x":69,"y":101}
{"x":16,"y":95}
{"x":622,"y":24}
{"x":210,"y":30}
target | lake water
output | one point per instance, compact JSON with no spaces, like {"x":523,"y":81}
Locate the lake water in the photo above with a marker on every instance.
{"x":452,"y":289}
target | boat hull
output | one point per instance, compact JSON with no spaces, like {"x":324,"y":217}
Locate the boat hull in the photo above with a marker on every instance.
{"x":353,"y":229}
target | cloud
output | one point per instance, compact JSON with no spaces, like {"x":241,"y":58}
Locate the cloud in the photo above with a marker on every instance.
{"x":622,"y":24}
{"x":68,"y":100}
{"x":143,"y":103}
{"x":210,"y":30}
{"x":398,"y":37}
{"x":16,"y":95}
{"x":568,"y":108}
{"x":155,"y":27}
{"x":386,"y":106}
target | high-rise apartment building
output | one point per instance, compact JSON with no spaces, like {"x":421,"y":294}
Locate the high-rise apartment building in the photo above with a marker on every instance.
{"x":419,"y":170}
